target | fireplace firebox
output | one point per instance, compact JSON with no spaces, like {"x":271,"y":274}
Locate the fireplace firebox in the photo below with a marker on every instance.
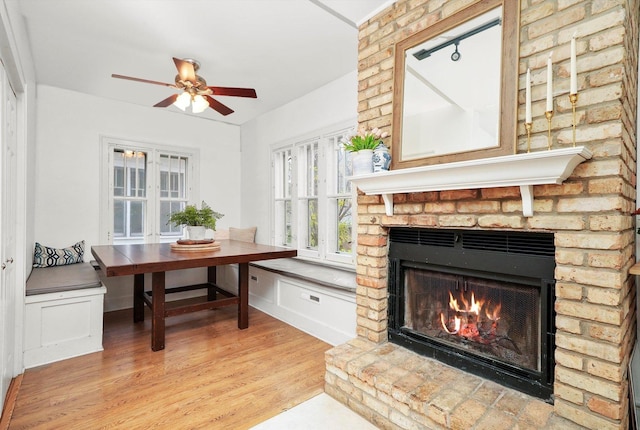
{"x":478,"y":300}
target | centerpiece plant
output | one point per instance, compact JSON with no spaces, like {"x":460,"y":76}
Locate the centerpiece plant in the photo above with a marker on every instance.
{"x":191,"y":216}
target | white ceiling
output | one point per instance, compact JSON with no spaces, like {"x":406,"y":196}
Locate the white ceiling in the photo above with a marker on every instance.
{"x":282,"y":48}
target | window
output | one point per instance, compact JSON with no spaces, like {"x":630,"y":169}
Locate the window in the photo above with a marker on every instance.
{"x":129,"y":193}
{"x":313,"y":201}
{"x":142,"y":185}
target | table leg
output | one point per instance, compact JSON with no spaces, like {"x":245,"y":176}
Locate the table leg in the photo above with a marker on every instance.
{"x":157,"y":311}
{"x":243,"y":295}
{"x":212,"y":279}
{"x":138,"y":302}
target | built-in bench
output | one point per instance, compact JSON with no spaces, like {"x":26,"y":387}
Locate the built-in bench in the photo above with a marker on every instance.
{"x":63,"y":313}
{"x":315,"y":298}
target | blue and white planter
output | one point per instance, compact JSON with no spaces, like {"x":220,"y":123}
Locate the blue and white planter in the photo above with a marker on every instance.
{"x":381,"y":158}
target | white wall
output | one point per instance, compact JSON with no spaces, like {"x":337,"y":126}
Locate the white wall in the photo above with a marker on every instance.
{"x":331,"y":104}
{"x":66,"y":183}
{"x":69,"y":126}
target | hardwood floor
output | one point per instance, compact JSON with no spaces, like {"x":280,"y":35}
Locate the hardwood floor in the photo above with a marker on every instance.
{"x":211,"y":375}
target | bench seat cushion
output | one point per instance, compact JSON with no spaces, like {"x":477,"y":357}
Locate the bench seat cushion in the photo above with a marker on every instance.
{"x":62,"y":278}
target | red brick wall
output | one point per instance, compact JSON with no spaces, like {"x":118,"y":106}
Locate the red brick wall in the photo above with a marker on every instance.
{"x":589,"y":213}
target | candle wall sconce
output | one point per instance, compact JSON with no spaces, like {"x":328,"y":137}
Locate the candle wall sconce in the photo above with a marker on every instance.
{"x":573,"y":97}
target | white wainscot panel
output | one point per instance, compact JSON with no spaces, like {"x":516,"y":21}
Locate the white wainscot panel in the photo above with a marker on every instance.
{"x":62,"y":325}
{"x":261,"y":287}
{"x":327,"y":311}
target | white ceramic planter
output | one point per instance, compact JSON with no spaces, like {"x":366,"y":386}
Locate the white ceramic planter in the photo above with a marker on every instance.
{"x":196,"y":232}
{"x":362,"y":162}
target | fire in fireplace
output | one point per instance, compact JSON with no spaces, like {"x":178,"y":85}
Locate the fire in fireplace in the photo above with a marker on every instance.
{"x":479,"y":300}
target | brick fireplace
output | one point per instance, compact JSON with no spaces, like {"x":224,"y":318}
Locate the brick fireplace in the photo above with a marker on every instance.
{"x":588,"y":215}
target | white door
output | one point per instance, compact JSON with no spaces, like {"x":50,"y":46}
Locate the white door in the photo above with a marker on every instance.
{"x":8,"y":140}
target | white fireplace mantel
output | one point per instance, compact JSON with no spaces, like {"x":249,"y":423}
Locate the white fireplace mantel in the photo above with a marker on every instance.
{"x":523,"y":170}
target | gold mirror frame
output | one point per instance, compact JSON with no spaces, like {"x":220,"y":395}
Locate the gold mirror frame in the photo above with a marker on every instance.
{"x":508,"y":83}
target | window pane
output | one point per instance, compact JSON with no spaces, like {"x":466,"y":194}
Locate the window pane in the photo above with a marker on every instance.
{"x":343,"y":186}
{"x":118,"y":218}
{"x":349,"y":157}
{"x":312,"y":169}
{"x":165,"y":212}
{"x":166,"y":209}
{"x":288,"y":173}
{"x":135,"y":172}
{"x":173,"y":191}
{"x":283,"y":182}
{"x":175,"y":185}
{"x":312,"y":224}
{"x":118,"y":181}
{"x":164,"y":184}
{"x":129,"y":183}
{"x":136,"y":217}
{"x":283,"y":174}
{"x":287,"y":223}
{"x":283,"y":216}
{"x":345,"y":223}
{"x":173,"y":170}
{"x":183,"y":177}
{"x":142,"y":182}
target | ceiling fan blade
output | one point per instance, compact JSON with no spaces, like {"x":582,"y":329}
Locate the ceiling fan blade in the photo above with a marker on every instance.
{"x":185,"y":70}
{"x":167,"y":102}
{"x":216,"y":105}
{"x":146,"y":81}
{"x":237,"y":92}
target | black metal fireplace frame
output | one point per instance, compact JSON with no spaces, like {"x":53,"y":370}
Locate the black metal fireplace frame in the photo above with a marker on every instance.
{"x":515,"y":257}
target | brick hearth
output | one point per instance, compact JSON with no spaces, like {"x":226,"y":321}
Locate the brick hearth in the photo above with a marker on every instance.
{"x":393,"y":387}
{"x":589,"y":214}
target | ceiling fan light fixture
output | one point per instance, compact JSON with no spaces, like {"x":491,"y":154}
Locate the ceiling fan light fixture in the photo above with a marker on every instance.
{"x":195,"y":92}
{"x":199,"y":104}
{"x":183,"y":101}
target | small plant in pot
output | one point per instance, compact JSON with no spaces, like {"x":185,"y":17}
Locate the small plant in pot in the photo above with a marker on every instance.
{"x":362,"y":145}
{"x":365,"y":140}
{"x":196,"y":220}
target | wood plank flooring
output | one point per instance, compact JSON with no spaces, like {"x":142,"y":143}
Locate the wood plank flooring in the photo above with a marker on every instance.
{"x":210,"y":376}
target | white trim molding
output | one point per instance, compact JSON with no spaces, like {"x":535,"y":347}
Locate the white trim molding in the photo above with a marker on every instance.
{"x":523,"y":170}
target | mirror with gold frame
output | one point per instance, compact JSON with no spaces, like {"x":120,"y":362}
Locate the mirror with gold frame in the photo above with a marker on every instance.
{"x":456,"y":87}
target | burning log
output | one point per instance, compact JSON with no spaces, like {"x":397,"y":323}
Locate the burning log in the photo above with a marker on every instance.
{"x":473,"y":320}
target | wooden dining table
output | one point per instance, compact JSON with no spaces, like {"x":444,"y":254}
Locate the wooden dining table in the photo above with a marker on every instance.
{"x":159,"y":258}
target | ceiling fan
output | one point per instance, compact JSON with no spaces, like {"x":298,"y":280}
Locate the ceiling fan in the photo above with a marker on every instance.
{"x":195,"y":91}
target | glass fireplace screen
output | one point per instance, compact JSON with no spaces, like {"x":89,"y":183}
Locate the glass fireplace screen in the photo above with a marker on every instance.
{"x":495,"y":319}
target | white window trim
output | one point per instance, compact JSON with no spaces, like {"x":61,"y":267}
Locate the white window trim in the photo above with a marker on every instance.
{"x":330,"y":259}
{"x":152,"y":231}
{"x":298,"y":200}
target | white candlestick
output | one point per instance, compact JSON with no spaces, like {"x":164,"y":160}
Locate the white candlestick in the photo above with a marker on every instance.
{"x":549,"y":85}
{"x":528,"y":98}
{"x":574,"y":73}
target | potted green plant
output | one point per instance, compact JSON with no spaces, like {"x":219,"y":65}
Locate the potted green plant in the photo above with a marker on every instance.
{"x":362,"y":146}
{"x":196,"y":220}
